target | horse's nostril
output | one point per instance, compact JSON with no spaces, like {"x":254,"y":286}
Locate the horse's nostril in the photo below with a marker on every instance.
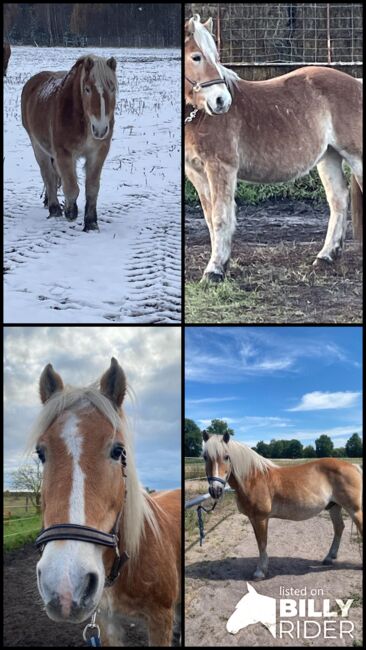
{"x":91,"y":584}
{"x":220,"y":101}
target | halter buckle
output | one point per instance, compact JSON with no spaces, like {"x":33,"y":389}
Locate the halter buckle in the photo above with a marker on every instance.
{"x":197,"y":87}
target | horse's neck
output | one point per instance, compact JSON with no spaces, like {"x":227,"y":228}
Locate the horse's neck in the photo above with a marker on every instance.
{"x":71,"y":89}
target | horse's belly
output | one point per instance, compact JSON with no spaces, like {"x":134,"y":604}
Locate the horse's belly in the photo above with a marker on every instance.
{"x":295,"y":511}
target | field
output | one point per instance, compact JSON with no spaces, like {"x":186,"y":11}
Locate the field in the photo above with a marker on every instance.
{"x":21,"y":521}
{"x":272,"y":279}
{"x":130,"y":271}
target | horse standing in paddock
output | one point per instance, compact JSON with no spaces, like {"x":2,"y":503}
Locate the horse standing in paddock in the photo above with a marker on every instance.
{"x":264,"y":490}
{"x":69,"y":115}
{"x":6,"y":56}
{"x":107,"y":546}
{"x":267,"y":132}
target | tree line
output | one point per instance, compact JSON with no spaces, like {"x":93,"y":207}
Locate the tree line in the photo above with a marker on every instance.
{"x":324,"y":446}
{"x":106,"y":24}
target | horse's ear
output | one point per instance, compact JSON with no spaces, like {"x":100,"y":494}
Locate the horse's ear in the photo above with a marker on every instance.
{"x":113,"y":383}
{"x":49,"y":383}
{"x":88,"y":63}
{"x":226,"y":437}
{"x":209,"y":25}
{"x":205,"y":436}
{"x":190,"y":26}
{"x":112,"y":63}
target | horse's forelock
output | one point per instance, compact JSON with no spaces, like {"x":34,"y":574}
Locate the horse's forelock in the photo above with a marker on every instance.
{"x":205,"y":42}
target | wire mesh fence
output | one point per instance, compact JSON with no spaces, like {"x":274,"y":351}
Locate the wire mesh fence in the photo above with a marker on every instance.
{"x":285,"y":33}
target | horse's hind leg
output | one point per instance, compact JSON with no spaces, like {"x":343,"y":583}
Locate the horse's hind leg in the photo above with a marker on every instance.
{"x":49,"y":176}
{"x":338,"y":525}
{"x":335,"y":185}
{"x":222,"y":180}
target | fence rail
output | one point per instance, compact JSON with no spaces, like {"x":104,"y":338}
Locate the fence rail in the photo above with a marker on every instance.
{"x":282,"y":33}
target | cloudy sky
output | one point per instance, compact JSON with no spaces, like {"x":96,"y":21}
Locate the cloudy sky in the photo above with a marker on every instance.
{"x":276,"y":382}
{"x":150,"y":357}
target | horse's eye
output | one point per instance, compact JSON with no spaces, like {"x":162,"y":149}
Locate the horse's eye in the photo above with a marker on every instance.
{"x":41,"y":454}
{"x":204,"y":456}
{"x":87,"y":90}
{"x":226,"y":458}
{"x":117,"y":451}
{"x":196,"y":57}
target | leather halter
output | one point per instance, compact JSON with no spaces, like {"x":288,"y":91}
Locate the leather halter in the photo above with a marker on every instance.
{"x":91,"y":535}
{"x":198,"y":85}
{"x":211,"y":479}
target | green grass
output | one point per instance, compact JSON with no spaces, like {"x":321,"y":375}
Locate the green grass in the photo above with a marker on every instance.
{"x":220,"y":303}
{"x":308,"y":187}
{"x":22,"y":529}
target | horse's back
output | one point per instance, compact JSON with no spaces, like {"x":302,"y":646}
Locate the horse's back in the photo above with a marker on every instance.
{"x":37,"y":94}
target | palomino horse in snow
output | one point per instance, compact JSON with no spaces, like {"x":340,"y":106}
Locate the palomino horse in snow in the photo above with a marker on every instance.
{"x":264,"y":490}
{"x":6,"y":56}
{"x":69,"y":115}
{"x":107,"y":546}
{"x":268,"y":132}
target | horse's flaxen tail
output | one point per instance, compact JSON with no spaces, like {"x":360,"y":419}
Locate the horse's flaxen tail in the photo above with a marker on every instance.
{"x":357,"y":209}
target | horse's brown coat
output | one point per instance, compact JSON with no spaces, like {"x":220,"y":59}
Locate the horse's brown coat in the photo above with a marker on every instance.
{"x":274,"y":130}
{"x":61,"y":112}
{"x":6,"y":56}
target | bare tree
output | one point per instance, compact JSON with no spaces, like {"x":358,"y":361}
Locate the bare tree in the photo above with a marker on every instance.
{"x":29,"y":478}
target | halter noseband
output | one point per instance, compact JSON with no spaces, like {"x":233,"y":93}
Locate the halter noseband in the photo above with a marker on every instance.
{"x":90,"y":535}
{"x":211,"y":479}
{"x":198,"y":85}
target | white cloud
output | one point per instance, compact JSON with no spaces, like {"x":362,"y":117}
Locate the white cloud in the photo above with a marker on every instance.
{"x":323,"y":400}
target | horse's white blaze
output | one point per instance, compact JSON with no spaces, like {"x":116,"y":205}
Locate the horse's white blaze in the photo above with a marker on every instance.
{"x":100,"y":127}
{"x":65,"y":565}
{"x":73,"y":441}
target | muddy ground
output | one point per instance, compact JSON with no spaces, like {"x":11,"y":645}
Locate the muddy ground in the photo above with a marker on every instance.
{"x":274,"y":246}
{"x":25,"y":622}
{"x":217,"y":574}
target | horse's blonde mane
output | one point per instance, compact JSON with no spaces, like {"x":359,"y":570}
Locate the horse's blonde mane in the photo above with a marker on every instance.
{"x":207,"y":45}
{"x":139,"y":508}
{"x":244,"y":460}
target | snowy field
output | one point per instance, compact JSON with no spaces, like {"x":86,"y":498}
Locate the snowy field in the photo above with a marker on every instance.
{"x":130,"y":271}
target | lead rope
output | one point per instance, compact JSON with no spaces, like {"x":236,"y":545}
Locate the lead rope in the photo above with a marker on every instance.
{"x":91,"y":633}
{"x":200,"y":520}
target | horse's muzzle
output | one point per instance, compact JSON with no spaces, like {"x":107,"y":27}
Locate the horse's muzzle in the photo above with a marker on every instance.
{"x":215,"y":491}
{"x":99,"y":133}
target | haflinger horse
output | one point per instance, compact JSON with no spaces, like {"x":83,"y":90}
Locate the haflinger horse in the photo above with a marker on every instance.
{"x":108,"y":547}
{"x":6,"y":56}
{"x":265,"y":490}
{"x":70,"y":115}
{"x":268,"y":132}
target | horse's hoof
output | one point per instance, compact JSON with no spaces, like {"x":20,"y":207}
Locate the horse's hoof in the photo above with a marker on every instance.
{"x":323,"y":262}
{"x":71,"y":213}
{"x":54,"y":211}
{"x":213,"y":278}
{"x":91,"y":225}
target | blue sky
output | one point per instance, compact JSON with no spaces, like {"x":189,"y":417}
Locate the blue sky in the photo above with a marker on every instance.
{"x":276,"y":382}
{"x":151,"y":359}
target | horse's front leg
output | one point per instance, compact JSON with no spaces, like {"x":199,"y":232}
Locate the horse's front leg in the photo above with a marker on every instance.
{"x":222,"y":179}
{"x":93,"y":170}
{"x":260,"y":526}
{"x":196,"y":174}
{"x":66,"y":169}
{"x":160,"y":626}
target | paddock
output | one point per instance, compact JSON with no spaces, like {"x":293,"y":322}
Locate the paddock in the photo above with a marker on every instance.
{"x":216,"y":575}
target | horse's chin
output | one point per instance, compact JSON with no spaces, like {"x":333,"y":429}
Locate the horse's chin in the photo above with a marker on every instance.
{"x":77,"y":615}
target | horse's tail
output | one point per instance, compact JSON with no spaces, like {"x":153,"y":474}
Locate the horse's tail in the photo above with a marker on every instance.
{"x":357,"y":209}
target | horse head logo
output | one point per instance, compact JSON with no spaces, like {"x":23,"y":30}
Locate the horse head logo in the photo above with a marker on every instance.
{"x":253,"y":608}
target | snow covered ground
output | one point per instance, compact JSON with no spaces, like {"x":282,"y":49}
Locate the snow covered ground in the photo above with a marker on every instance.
{"x":130,"y":271}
